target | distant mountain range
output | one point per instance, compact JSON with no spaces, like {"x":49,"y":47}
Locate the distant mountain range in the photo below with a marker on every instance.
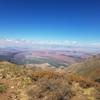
{"x":55,"y":58}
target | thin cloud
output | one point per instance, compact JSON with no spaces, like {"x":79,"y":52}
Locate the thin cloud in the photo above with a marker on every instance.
{"x":47,"y":43}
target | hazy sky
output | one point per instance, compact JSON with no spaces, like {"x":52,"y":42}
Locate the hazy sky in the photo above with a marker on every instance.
{"x":77,"y":20}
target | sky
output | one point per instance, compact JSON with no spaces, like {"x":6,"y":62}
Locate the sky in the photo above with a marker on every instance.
{"x":56,"y":20}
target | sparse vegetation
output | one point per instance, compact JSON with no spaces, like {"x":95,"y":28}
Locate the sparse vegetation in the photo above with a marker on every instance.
{"x":49,"y":84}
{"x":88,"y":69}
{"x":50,"y":89}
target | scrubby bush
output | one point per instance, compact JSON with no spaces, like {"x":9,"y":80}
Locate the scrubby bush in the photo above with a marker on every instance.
{"x":50,"y":86}
{"x":2,"y":88}
{"x":45,"y":74}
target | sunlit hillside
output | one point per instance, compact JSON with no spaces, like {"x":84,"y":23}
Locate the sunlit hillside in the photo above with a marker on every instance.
{"x":20,"y":83}
{"x":90,"y":68}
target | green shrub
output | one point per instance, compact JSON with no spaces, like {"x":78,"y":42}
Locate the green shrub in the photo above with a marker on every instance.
{"x":2,"y":88}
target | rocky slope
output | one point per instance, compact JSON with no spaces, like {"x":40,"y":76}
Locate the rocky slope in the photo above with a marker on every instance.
{"x":89,"y":69}
{"x":21,"y":83}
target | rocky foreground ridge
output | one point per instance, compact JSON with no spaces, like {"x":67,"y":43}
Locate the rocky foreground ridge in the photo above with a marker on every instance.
{"x":18,"y":82}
